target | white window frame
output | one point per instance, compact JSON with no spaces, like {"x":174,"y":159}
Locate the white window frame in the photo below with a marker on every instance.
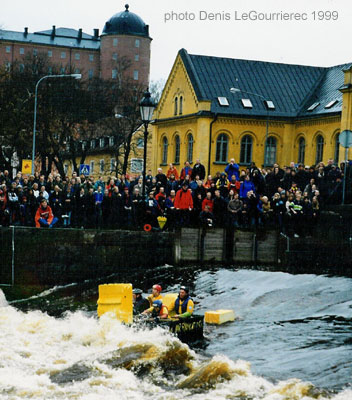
{"x":8,"y":49}
{"x":50,"y":53}
{"x":136,"y":57}
{"x":115,"y":42}
{"x":114,"y":74}
{"x":91,"y":57}
{"x":77,"y":56}
{"x":137,"y":43}
{"x":21,"y":50}
{"x":63,"y":54}
{"x":135,"y":75}
{"x":90,"y":73}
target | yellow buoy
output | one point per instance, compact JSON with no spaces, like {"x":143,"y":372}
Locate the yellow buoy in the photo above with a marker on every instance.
{"x":219,"y":317}
{"x":116,"y":298}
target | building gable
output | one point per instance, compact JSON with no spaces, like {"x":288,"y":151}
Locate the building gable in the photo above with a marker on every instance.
{"x":179,"y":88}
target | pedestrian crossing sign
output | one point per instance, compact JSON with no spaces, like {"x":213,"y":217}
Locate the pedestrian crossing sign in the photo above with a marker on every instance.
{"x":84,"y":169}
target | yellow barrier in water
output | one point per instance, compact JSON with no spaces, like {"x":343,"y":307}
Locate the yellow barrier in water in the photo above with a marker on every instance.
{"x":169,"y":302}
{"x":117,"y":298}
{"x":219,"y":317}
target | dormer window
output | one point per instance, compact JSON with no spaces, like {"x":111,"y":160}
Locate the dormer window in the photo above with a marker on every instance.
{"x":102,"y":142}
{"x":92,"y":144}
{"x":111,"y":141}
{"x":246,"y":103}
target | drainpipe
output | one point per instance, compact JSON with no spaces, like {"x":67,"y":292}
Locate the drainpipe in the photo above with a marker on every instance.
{"x":210,"y":137}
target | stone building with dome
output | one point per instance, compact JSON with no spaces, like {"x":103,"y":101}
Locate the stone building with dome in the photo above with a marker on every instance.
{"x":125,"y":36}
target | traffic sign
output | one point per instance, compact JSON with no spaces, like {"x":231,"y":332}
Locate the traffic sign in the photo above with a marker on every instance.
{"x":26,"y":166}
{"x":84,"y":169}
{"x":345,"y":139}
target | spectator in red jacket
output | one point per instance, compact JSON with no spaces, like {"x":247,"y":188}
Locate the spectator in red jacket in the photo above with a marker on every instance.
{"x":186,"y":170}
{"x":208,"y":201}
{"x":184,"y":204}
{"x":44,"y":216}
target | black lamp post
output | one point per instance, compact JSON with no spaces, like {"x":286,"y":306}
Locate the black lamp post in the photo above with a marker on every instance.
{"x":146,"y":107}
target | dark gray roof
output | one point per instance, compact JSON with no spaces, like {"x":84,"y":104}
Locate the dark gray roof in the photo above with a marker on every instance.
{"x":126,"y":23}
{"x":292,"y":88}
{"x":64,"y":37}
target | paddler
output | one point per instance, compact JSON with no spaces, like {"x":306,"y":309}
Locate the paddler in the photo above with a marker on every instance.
{"x":158,"y":310}
{"x":184,"y":305}
{"x":139,"y":302}
{"x":156,"y":295}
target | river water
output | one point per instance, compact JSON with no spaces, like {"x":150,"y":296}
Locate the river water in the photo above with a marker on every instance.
{"x":292,"y":340}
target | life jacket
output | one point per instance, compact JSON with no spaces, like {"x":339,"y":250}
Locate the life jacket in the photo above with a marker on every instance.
{"x":183,"y":305}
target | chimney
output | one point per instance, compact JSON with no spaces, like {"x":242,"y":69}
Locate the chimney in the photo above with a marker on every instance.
{"x":53,"y":32}
{"x":96,"y":34}
{"x":79,"y":38}
{"x":25,"y":34}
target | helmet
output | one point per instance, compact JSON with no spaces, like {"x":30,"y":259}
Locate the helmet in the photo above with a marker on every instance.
{"x":157,"y":303}
{"x":137,"y":291}
{"x":185,"y":288}
{"x":157,"y":287}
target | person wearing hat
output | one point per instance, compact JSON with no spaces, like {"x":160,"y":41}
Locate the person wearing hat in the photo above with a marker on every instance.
{"x":140,"y":304}
{"x":159,"y":310}
{"x":156,"y":295}
{"x":184,"y":305}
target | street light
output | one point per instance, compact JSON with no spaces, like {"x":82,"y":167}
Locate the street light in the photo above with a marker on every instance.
{"x":146,"y":107}
{"x":237,"y":90}
{"x":75,"y":76}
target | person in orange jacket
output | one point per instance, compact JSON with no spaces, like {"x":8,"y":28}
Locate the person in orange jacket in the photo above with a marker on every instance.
{"x":44,"y":217}
{"x":172,"y":171}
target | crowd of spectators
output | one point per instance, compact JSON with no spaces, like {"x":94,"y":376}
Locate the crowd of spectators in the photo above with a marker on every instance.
{"x":288,"y":198}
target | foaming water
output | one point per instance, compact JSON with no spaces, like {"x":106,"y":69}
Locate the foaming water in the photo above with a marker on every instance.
{"x":80,"y":357}
{"x":291,"y":341}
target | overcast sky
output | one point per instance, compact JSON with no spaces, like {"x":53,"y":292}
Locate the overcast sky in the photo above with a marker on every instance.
{"x":304,"y":40}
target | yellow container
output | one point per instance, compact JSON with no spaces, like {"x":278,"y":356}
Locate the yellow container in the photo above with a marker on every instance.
{"x":117,"y":298}
{"x":219,"y":317}
{"x":169,"y":302}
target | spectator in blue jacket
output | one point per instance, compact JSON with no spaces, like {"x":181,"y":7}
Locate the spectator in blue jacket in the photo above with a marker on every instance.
{"x":246,"y":186}
{"x":232,"y":169}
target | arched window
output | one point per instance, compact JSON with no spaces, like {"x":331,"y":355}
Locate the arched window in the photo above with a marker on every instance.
{"x":320,"y":149}
{"x":177,"y":150}
{"x":301,"y":150}
{"x":337,"y":149}
{"x":221,"y":148}
{"x":181,"y":105}
{"x":165,"y":148}
{"x":175,"y":105}
{"x":270,"y":151}
{"x":246,"y":150}
{"x":190,"y":147}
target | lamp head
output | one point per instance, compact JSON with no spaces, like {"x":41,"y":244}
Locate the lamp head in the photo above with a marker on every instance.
{"x":235,"y":90}
{"x":146,"y":107}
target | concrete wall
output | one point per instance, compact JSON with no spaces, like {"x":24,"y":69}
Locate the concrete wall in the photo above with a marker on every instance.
{"x":57,"y":256}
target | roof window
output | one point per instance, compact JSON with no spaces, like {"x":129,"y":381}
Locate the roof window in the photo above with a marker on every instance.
{"x":331,"y":103}
{"x":246,"y":103}
{"x":313,"y":106}
{"x":269,"y":105}
{"x":223,"y":101}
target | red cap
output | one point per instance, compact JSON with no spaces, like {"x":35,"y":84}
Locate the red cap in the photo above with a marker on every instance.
{"x":157,"y":287}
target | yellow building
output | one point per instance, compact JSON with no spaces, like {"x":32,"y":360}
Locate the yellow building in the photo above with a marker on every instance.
{"x":103,"y":155}
{"x":276,"y":113}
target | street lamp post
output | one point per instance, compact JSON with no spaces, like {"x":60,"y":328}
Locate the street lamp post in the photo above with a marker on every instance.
{"x":76,"y":76}
{"x":237,"y":90}
{"x":146,"y":107}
